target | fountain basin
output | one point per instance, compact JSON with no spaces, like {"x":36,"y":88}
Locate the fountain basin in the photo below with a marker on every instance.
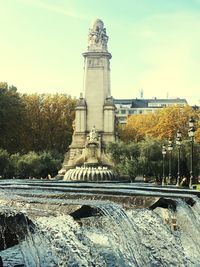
{"x":85,"y":173}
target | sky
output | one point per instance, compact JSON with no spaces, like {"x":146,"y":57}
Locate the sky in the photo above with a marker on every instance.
{"x":155,"y":46}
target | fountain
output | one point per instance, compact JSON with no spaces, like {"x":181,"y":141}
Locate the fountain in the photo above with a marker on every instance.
{"x":95,"y":162}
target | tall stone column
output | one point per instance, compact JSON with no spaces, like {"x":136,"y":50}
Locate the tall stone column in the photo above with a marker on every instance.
{"x":96,"y":86}
{"x":95,"y":110}
{"x":97,"y":92}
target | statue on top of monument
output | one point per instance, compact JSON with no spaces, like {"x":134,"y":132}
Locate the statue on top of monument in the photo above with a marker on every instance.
{"x":97,"y":37}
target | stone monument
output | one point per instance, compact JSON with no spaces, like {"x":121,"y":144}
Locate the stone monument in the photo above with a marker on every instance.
{"x":94,"y":124}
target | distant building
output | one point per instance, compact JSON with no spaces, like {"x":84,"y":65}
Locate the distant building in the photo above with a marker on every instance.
{"x":126,"y":107}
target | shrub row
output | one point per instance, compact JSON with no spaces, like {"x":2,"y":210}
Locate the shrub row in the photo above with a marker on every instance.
{"x":30,"y":165}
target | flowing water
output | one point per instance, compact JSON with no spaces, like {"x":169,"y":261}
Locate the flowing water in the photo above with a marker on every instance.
{"x":112,"y":237}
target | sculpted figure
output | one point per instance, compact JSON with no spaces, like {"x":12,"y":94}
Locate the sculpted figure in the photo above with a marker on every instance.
{"x":97,"y":34}
{"x":93,"y":136}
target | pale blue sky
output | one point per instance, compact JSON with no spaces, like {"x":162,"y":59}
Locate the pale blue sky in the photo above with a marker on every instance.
{"x":155,"y":45}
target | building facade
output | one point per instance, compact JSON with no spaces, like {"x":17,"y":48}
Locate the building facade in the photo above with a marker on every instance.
{"x":126,"y":107}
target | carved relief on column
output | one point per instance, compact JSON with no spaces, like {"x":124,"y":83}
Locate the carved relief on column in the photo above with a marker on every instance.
{"x":95,"y":63}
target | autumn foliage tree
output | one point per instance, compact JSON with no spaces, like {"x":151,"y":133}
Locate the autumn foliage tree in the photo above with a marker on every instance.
{"x":197,"y":134}
{"x":48,"y":122}
{"x":162,"y":124}
{"x":35,"y":122}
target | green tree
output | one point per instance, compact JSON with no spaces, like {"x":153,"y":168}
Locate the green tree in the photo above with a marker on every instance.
{"x":151,"y":158}
{"x":125,"y":158}
{"x":14,"y":171}
{"x":145,"y":158}
{"x":11,"y":118}
{"x":29,"y":165}
{"x":186,"y":158}
{"x":4,"y":163}
{"x":51,"y":163}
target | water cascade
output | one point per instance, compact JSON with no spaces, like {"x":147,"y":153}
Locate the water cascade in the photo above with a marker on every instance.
{"x":112,"y":236}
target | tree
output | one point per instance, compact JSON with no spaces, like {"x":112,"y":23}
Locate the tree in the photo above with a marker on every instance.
{"x":171,"y":119}
{"x":162,"y":124}
{"x":186,"y":158}
{"x":197,"y":134}
{"x":48,"y":122}
{"x":151,"y":158}
{"x":11,"y":118}
{"x":29,"y":165}
{"x":4,"y":163}
{"x":125,"y":158}
{"x":51,"y":162}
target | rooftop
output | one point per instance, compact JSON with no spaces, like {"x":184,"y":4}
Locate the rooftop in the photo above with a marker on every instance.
{"x":140,"y":103}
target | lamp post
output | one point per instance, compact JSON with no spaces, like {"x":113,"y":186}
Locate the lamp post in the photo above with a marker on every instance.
{"x":191,"y":132}
{"x":164,"y":151}
{"x":170,"y":148}
{"x":178,"y":142}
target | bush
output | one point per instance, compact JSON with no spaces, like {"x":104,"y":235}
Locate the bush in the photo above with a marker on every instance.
{"x":145,"y":158}
{"x":50,"y":163}
{"x":125,"y":158}
{"x":4,"y":163}
{"x":29,"y":165}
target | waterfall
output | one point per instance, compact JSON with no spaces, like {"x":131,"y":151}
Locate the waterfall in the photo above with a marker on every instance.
{"x":114,"y":237}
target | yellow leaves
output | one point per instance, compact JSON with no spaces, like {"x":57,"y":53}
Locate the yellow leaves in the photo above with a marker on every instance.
{"x":197,"y":134}
{"x":49,"y":118}
{"x":162,"y":124}
{"x":3,"y":86}
{"x":172,"y":119}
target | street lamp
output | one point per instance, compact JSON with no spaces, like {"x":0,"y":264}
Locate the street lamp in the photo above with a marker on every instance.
{"x":178,"y":142}
{"x":191,"y":132}
{"x":164,"y":151}
{"x":170,"y":148}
